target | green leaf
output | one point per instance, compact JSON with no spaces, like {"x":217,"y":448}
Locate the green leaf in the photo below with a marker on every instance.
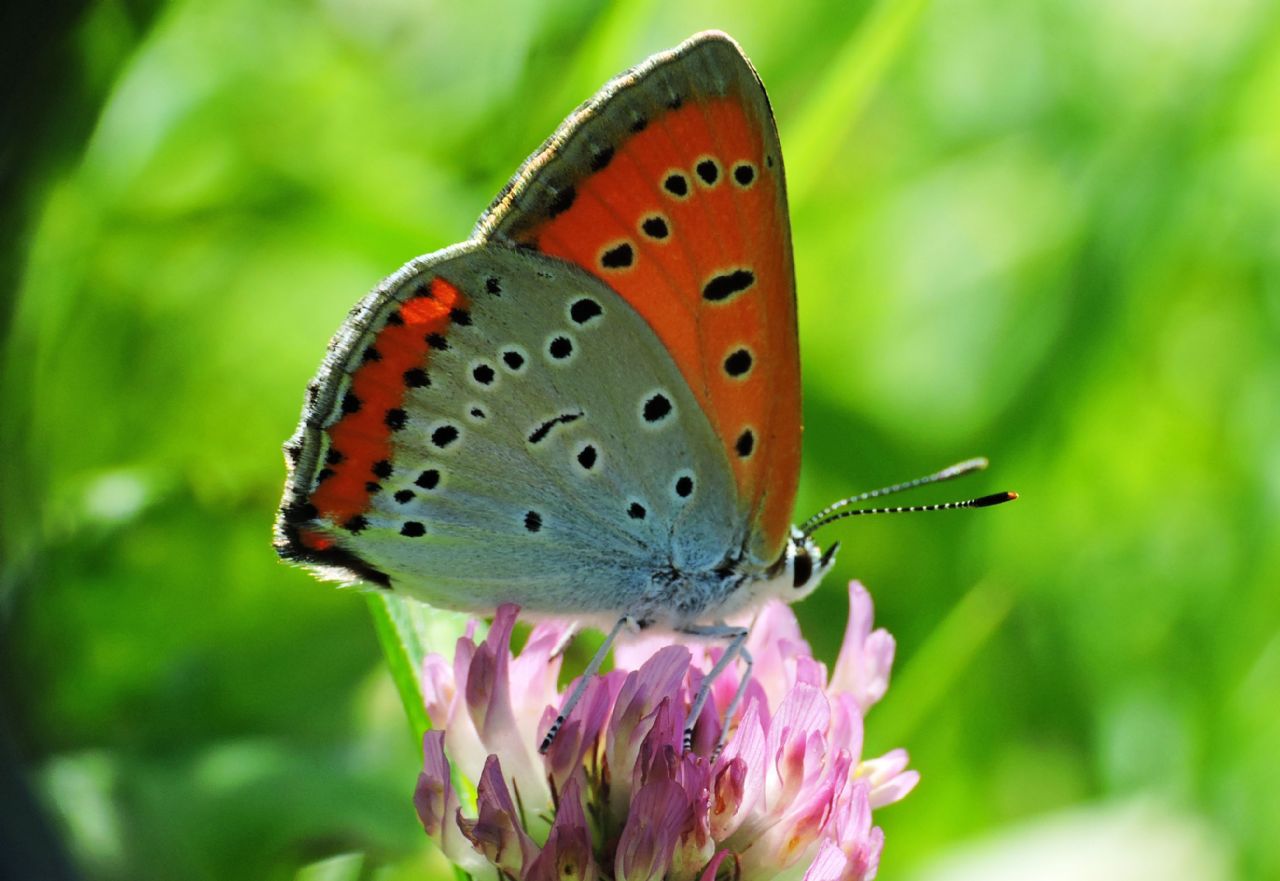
{"x":408,"y":631}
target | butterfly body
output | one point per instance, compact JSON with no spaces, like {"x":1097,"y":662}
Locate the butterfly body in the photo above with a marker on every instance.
{"x":591,"y":408}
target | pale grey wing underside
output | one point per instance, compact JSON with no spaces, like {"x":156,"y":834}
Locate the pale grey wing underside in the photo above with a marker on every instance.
{"x":581,"y":464}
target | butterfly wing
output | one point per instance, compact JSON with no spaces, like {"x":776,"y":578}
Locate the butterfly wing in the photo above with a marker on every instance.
{"x":492,"y":425}
{"x":668,"y":187}
{"x":601,"y":386}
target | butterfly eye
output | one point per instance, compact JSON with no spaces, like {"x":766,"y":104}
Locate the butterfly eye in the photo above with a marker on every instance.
{"x":802,"y":569}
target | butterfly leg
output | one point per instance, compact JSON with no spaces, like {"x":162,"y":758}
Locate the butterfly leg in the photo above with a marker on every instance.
{"x":736,"y":636}
{"x":592,"y":669}
{"x":747,"y":664}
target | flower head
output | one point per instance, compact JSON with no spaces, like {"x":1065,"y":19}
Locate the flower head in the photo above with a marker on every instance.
{"x":617,"y":797}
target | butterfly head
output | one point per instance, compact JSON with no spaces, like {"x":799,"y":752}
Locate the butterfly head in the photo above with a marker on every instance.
{"x":799,"y":570}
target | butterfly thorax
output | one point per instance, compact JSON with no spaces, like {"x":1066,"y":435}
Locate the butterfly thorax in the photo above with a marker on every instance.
{"x":680,"y":599}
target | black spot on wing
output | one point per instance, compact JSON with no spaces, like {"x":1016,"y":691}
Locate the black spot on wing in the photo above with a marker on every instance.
{"x":737,"y":363}
{"x":540,"y":433}
{"x":727,"y":284}
{"x":444,"y":435}
{"x":600,"y":160}
{"x":562,"y":201}
{"x":656,"y":408}
{"x":656,"y":227}
{"x":618,"y":257}
{"x":584,"y":310}
{"x":560,"y":348}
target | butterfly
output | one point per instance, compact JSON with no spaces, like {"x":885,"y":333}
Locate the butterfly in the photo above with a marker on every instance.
{"x":591,"y":408}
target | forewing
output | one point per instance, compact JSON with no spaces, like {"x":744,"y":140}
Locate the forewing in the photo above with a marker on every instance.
{"x":668,"y":187}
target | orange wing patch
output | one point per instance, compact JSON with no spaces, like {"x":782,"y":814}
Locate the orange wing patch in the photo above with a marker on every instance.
{"x":687,"y":221}
{"x":395,"y":360}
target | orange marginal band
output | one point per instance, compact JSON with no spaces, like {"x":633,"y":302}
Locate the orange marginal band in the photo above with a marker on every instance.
{"x":361,"y":439}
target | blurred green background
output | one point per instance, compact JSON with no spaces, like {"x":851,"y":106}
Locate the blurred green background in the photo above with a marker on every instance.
{"x":1048,"y":232}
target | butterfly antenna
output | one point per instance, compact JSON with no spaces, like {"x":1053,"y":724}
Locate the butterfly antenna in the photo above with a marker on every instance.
{"x":982,"y":502}
{"x":960,"y":469}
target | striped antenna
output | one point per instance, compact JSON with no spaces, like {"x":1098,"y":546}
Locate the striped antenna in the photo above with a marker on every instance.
{"x":960,"y":469}
{"x":982,"y":502}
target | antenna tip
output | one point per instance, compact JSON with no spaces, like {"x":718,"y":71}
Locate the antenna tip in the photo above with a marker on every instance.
{"x":994,"y":499}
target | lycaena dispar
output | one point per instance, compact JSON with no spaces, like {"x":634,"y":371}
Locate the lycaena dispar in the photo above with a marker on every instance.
{"x":591,"y":408}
